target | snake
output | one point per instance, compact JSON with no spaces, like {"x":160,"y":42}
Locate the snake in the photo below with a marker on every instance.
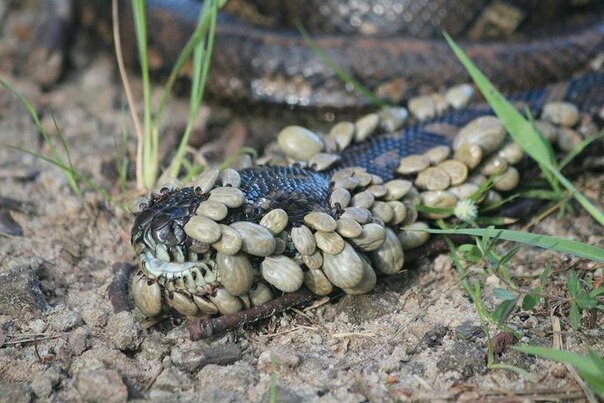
{"x":394,"y":48}
{"x":335,"y":210}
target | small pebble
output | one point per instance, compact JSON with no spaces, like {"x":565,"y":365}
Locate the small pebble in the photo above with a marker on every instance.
{"x":63,"y":319}
{"x":279,"y":358}
{"x":43,"y":384}
{"x":101,"y":385}
{"x":124,"y":331}
{"x":193,"y":357}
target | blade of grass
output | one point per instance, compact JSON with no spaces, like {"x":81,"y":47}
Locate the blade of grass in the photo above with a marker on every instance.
{"x":129,"y":96}
{"x":541,"y":194}
{"x":241,"y":151}
{"x":31,"y":110}
{"x":434,"y":210}
{"x":68,"y":171}
{"x":521,"y":130}
{"x":342,"y":75}
{"x":496,"y":205}
{"x":576,"y":360}
{"x":65,"y":164}
{"x":514,"y":122}
{"x":151,"y":137}
{"x":120,"y":145}
{"x":73,"y":183}
{"x":196,"y":38}
{"x":587,"y":205}
{"x":202,"y":55}
{"x":579,"y":148}
{"x":56,"y":156}
{"x":496,"y":220}
{"x":543,"y":241}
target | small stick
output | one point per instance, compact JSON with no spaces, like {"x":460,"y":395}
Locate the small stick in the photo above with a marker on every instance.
{"x":118,"y":289}
{"x":557,"y":344}
{"x":21,"y":206}
{"x":200,"y":328}
{"x":129,"y":96}
{"x":205,"y":328}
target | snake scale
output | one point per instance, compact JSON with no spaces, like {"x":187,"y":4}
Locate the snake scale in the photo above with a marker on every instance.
{"x":328,"y":211}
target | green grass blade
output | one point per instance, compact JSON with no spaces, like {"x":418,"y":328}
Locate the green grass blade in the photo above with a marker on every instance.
{"x":543,"y":241}
{"x":240,"y":151}
{"x":578,"y":149}
{"x":31,"y":110}
{"x":541,"y":194}
{"x":58,"y":164}
{"x":572,"y":283}
{"x":120,"y":145}
{"x":589,"y":368}
{"x":521,"y":130}
{"x":56,"y":156}
{"x":151,"y":137}
{"x":587,"y":205}
{"x":194,"y":41}
{"x":596,"y":383}
{"x":68,"y":171}
{"x":28,"y":105}
{"x":578,"y":361}
{"x":422,"y":208}
{"x":597,"y":360}
{"x":342,"y":75}
{"x":496,"y":205}
{"x":494,"y":220}
{"x":73,"y":183}
{"x":202,"y":55}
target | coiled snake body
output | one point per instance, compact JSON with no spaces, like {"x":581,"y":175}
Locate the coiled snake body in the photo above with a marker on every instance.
{"x":394,"y":48}
{"x":346,"y":209}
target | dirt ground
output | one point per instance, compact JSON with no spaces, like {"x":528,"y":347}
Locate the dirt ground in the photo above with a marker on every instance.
{"x":415,"y":337}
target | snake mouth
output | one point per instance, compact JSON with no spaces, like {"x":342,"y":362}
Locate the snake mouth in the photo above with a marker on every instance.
{"x":193,"y":276}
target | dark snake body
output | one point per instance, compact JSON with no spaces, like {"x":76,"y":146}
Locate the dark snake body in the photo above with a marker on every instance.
{"x":299,"y":191}
{"x":258,"y":65}
{"x":269,"y":64}
{"x":250,"y":60}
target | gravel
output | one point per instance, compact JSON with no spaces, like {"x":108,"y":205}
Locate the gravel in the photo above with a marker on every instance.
{"x":20,"y":294}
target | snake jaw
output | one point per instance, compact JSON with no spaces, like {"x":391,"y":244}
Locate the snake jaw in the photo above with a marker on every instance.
{"x":170,"y":271}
